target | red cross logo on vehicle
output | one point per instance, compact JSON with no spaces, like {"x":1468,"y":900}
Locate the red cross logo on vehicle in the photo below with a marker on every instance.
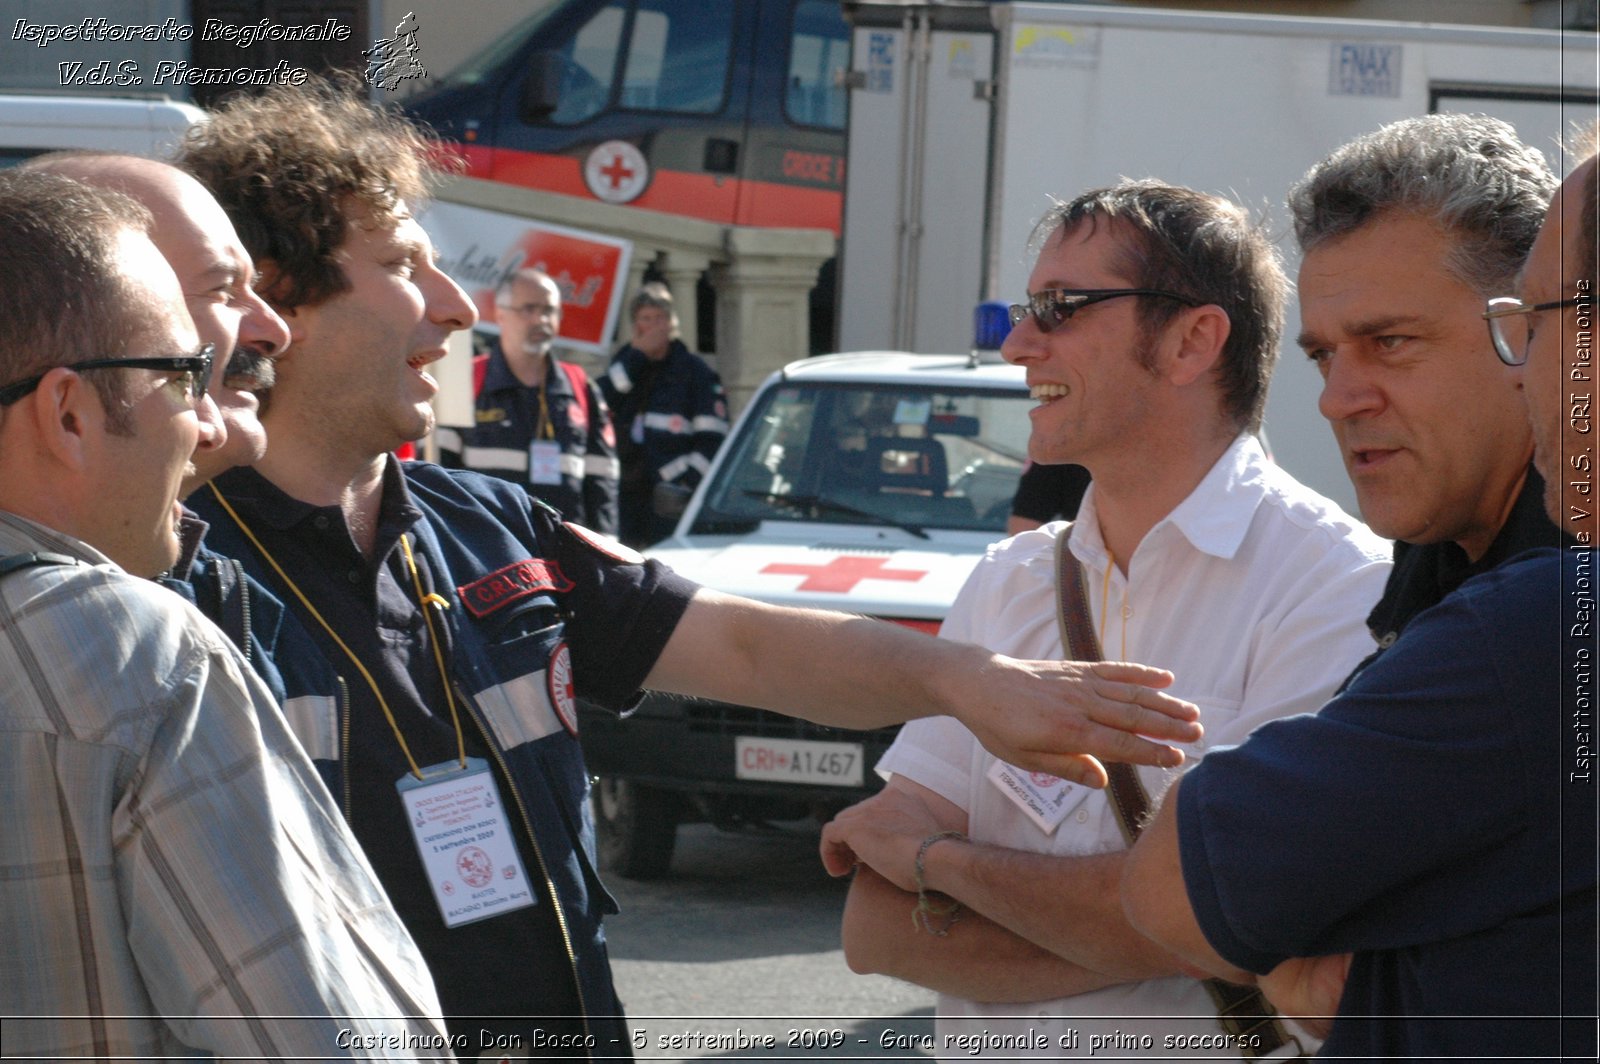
{"x":616,"y":171}
{"x":843,"y":573}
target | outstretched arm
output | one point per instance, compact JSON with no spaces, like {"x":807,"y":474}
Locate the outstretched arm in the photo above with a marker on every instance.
{"x":853,"y":672}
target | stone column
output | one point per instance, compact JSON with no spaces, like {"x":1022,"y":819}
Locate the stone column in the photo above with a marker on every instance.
{"x":682,"y":269}
{"x":763,"y":306}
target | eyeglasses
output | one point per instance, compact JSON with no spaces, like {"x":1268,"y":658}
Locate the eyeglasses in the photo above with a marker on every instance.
{"x":529,"y":310}
{"x":195,"y":368}
{"x":1053,"y":306}
{"x":1511,"y":325}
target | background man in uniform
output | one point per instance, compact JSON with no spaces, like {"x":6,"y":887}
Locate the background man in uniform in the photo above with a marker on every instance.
{"x":1356,"y":896}
{"x":1152,"y":324}
{"x":669,"y":412}
{"x":447,"y":622}
{"x":538,"y":421}
{"x":177,"y":877}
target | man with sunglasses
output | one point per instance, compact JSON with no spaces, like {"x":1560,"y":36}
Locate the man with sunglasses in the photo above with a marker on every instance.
{"x":177,"y":881}
{"x":1148,"y":338}
{"x":1415,"y":864}
{"x":200,"y":244}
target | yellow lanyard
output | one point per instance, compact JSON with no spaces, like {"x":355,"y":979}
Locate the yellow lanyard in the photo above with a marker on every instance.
{"x":1105,"y":600}
{"x":547,"y":428}
{"x":424,"y":600}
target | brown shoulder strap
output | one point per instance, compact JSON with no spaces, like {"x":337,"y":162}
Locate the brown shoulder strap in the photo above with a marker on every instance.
{"x":1241,"y":1010}
{"x":1128,"y":798}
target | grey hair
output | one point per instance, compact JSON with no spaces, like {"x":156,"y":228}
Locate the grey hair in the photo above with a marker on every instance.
{"x":528,"y":274}
{"x":1468,"y":173}
{"x":654,"y":294}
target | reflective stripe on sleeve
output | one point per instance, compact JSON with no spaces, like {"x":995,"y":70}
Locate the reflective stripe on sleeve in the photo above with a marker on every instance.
{"x":707,"y":423}
{"x":314,"y":719}
{"x":448,"y":439}
{"x":682,"y":464}
{"x":598,"y":465}
{"x":572,"y":465}
{"x":619,"y":378}
{"x":519,"y":710}
{"x":513,"y":459}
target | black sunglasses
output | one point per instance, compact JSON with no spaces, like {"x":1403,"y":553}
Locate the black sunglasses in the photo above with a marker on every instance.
{"x":1052,"y":306}
{"x":197,"y":367}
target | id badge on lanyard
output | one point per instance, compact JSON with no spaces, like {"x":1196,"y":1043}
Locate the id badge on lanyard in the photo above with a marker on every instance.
{"x":1046,"y":800}
{"x":544,"y":462}
{"x":464,"y":835}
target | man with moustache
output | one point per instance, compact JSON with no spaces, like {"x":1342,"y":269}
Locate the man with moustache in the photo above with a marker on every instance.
{"x":176,"y":879}
{"x":198,"y":241}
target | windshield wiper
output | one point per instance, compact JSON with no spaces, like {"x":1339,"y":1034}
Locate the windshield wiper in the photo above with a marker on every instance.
{"x":814,"y":506}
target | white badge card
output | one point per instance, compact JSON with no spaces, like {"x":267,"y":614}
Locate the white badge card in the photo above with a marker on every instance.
{"x":464,"y":836}
{"x":544,"y":462}
{"x":1047,"y":799}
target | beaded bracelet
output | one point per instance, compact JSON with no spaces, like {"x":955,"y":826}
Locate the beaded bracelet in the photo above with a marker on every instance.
{"x":927,"y":909}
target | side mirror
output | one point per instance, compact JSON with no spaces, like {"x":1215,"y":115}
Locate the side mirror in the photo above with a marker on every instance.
{"x":670,"y":500}
{"x":541,"y":91}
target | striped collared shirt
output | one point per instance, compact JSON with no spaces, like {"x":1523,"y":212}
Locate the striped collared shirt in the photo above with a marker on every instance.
{"x":173,"y":874}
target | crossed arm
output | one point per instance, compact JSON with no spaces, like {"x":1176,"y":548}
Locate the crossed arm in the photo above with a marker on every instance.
{"x":1037,"y":926}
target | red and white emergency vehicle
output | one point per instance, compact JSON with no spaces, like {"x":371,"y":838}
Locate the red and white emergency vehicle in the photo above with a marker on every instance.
{"x":870,"y":483}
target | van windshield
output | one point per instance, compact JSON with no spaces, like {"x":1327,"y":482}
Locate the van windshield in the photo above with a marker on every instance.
{"x":874,"y":454}
{"x":479,"y":68}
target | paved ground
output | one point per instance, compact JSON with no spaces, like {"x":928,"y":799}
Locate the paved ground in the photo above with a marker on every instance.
{"x":743,"y":940}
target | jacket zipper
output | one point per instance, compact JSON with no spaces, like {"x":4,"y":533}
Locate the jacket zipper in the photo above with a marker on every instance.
{"x":344,"y":745}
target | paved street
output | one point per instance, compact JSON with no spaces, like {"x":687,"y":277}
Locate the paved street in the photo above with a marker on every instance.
{"x":743,"y":938}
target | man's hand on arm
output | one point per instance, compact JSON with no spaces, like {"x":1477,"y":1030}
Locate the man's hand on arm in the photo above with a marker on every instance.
{"x":977,"y":958}
{"x":852,"y":672}
{"x":1309,"y":989}
{"x":1053,"y":926}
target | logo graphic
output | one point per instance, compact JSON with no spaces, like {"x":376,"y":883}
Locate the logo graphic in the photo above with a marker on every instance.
{"x":616,"y":172}
{"x":516,"y":581}
{"x":475,"y":868}
{"x":563,"y":696}
{"x":393,"y":60}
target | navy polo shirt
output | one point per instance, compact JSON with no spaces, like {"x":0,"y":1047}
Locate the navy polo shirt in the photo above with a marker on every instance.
{"x":492,"y":969}
{"x":1430,"y":821}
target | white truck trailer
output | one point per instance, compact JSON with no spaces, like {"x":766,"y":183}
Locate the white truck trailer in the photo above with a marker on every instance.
{"x":967,"y":118}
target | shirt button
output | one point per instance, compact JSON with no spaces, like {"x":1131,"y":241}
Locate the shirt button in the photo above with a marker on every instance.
{"x":354,"y":576}
{"x":320,"y":521}
{"x":1083,"y":815}
{"x":1127,"y":611}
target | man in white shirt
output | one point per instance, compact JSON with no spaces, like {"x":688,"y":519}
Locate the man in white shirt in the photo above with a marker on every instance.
{"x":1153,"y":321}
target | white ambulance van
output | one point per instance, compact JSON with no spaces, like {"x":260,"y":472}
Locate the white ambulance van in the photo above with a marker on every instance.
{"x":870,"y":483}
{"x":34,"y":124}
